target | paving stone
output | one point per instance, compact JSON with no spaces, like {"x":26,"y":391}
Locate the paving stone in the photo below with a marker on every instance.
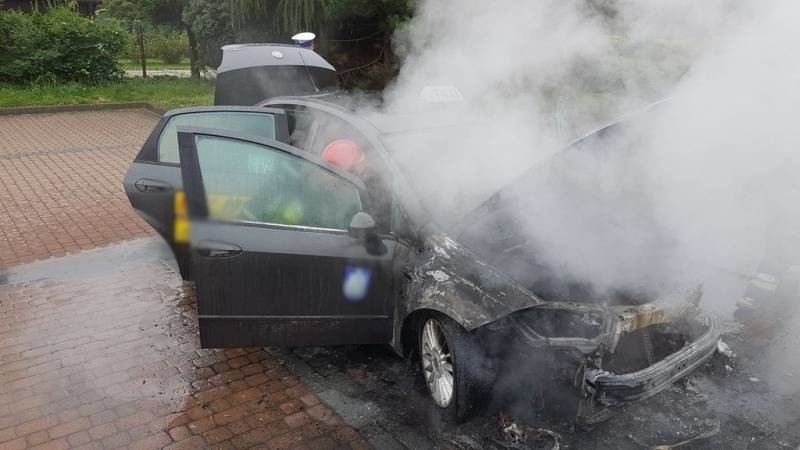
{"x":100,"y":349}
{"x":153,"y":442}
{"x":60,"y":181}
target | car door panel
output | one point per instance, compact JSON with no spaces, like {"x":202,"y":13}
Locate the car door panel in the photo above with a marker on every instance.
{"x":154,"y":178}
{"x":294,"y":332}
{"x":154,"y":205}
{"x":289,"y":284}
{"x":316,"y":261}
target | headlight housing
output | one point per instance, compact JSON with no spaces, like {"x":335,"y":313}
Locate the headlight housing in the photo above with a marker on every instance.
{"x":551,"y":322}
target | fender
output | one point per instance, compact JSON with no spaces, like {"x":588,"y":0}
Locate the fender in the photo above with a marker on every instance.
{"x":448,"y":278}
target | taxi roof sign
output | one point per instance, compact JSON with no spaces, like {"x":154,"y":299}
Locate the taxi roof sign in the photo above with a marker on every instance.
{"x":440,"y":94}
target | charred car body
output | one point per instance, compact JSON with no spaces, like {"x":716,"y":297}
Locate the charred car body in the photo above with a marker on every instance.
{"x":289,"y":249}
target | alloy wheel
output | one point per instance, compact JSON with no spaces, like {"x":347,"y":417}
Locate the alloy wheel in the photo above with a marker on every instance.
{"x":437,"y":363}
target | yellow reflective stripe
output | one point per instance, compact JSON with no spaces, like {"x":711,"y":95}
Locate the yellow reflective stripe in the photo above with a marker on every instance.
{"x":180,"y":207}
{"x":181,"y":229}
{"x":182,"y":233}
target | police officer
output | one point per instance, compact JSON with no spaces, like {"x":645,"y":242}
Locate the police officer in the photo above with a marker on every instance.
{"x":304,"y":39}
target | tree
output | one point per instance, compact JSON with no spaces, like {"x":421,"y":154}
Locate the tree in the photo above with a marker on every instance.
{"x":126,"y":11}
{"x":153,"y":12}
{"x":360,"y":43}
{"x":208,"y":23}
{"x":150,"y":13}
{"x":275,"y":20}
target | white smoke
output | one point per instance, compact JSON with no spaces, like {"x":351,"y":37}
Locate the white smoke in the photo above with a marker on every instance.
{"x":712,"y":171}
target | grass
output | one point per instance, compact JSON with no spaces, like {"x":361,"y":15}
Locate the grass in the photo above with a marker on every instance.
{"x":166,"y":93}
{"x":155,"y":64}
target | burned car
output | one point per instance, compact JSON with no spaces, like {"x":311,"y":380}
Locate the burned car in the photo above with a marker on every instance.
{"x":303,"y":223}
{"x":289,"y":248}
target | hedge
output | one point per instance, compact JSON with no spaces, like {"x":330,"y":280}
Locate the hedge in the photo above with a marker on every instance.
{"x":170,"y":47}
{"x":58,"y":45}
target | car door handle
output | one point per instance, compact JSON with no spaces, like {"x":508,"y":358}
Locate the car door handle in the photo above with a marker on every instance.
{"x":216,"y":249}
{"x":147,"y":185}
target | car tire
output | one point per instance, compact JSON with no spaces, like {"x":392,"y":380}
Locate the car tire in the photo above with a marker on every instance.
{"x":460,"y":366}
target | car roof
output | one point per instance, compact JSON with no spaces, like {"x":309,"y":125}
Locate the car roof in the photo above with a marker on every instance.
{"x":369,"y":106}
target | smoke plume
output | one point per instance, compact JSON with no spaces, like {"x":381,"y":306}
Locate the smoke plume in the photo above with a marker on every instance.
{"x":695,"y":187}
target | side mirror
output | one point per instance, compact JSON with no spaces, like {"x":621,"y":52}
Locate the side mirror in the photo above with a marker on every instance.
{"x":362,"y":229}
{"x":361,"y":226}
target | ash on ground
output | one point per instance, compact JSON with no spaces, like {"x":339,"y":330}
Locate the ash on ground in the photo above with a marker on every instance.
{"x":738,"y":400}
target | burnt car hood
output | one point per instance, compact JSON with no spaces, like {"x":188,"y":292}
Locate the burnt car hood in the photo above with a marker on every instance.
{"x":490,"y":252}
{"x":450,"y":278}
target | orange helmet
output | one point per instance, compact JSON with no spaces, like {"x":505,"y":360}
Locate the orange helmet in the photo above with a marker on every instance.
{"x":343,"y":153}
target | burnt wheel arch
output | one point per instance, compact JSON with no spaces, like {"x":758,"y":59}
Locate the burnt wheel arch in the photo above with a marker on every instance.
{"x":473,"y":372}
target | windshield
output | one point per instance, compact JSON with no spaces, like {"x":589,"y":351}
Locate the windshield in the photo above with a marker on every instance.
{"x":454,"y":169}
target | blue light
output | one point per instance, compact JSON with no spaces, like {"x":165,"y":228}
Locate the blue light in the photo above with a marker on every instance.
{"x":356,"y":283}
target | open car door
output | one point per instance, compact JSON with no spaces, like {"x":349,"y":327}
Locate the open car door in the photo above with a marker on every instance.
{"x":274,"y":262}
{"x":153,"y":182}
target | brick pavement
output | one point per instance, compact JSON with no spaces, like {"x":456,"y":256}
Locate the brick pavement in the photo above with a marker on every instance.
{"x":100,"y":349}
{"x":61,"y":181}
{"x":102,"y":355}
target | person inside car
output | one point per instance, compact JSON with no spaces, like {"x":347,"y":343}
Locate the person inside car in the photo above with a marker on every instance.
{"x":346,"y":155}
{"x":311,"y":201}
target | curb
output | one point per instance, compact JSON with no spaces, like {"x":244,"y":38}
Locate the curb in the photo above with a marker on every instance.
{"x":80,"y":107}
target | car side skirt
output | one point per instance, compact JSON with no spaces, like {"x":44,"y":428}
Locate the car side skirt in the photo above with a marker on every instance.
{"x":257,"y":331}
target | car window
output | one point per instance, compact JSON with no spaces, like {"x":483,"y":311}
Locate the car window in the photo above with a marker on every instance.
{"x":259,"y":124}
{"x":300,"y":128}
{"x":331,"y":128}
{"x":256,"y":183}
{"x":373,"y":171}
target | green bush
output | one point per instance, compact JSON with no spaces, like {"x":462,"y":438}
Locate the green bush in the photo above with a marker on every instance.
{"x":130,"y":50}
{"x":58,"y":45}
{"x":170,"y":47}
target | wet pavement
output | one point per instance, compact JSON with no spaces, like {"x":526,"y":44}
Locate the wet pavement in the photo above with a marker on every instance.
{"x":61,"y":181}
{"x":100,"y":350}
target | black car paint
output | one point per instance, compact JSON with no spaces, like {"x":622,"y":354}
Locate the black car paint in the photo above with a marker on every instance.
{"x":251,"y":72}
{"x":301,"y":302}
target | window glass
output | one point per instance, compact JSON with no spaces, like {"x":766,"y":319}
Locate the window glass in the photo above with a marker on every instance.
{"x":245,"y":181}
{"x":372,"y":171}
{"x":300,"y":127}
{"x":332,"y":128}
{"x":259,"y":124}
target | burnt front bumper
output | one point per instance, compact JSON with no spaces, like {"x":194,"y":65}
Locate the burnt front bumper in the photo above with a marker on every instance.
{"x":609,"y":389}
